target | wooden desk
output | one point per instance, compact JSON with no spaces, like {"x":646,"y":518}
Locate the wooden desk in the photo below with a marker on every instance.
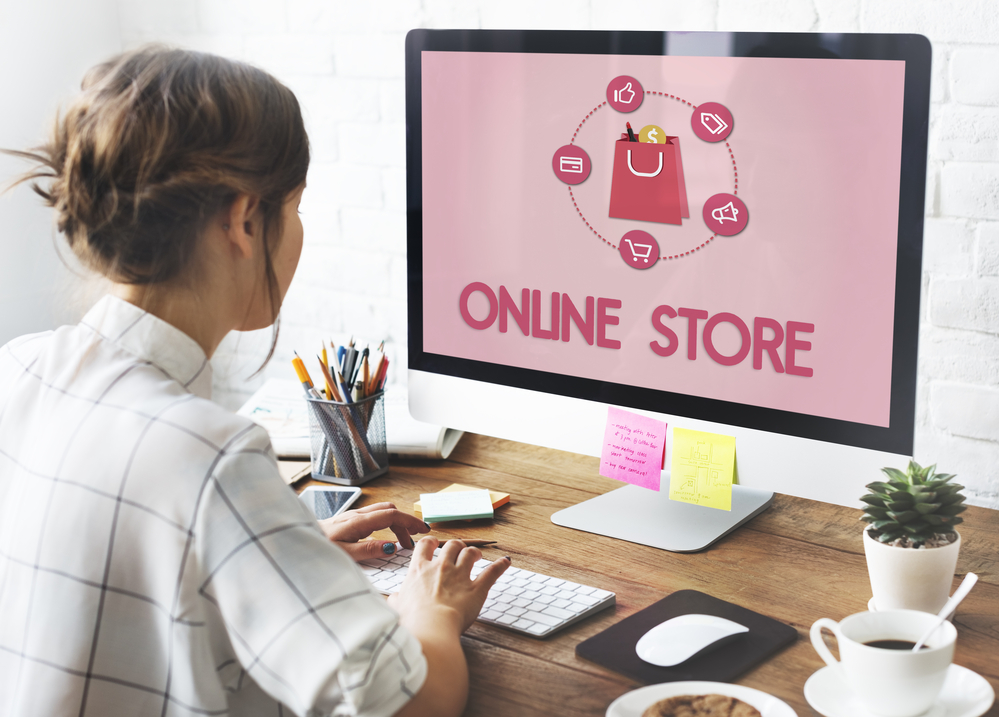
{"x":798,"y":561}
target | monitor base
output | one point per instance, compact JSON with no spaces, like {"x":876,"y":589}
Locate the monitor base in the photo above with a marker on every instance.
{"x":647,"y":517}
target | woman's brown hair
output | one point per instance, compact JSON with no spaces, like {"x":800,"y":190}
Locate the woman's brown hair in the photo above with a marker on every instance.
{"x":159,"y":141}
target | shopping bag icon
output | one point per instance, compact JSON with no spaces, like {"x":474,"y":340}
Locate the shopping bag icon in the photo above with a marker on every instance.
{"x":647,"y":183}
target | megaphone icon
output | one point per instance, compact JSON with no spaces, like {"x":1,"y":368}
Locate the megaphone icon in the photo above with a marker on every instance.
{"x":728,"y":213}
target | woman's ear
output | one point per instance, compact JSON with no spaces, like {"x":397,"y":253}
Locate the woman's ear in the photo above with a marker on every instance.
{"x":242,"y":224}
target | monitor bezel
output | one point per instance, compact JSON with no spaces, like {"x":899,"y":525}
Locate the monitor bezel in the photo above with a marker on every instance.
{"x":914,"y":50}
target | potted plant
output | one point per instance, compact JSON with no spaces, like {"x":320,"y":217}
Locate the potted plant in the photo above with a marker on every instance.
{"x":910,"y":542}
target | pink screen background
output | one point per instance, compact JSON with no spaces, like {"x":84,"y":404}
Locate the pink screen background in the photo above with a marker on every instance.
{"x":817,"y":145}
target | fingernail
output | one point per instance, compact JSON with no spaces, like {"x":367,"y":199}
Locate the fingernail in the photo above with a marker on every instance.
{"x":508,"y":558}
{"x":388,"y":548}
{"x":427,"y":526}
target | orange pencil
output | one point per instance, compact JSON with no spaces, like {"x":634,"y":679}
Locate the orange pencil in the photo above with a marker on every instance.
{"x":365,"y":375}
{"x":372,"y":386}
{"x":331,"y":391}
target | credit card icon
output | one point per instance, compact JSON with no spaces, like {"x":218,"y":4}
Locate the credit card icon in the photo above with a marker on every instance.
{"x":571,"y":164}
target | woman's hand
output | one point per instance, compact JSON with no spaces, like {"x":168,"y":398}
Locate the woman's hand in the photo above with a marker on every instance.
{"x":442,"y":586}
{"x":437,"y":601}
{"x":350,"y":529}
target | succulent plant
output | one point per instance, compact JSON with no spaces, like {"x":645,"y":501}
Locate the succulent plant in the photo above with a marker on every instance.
{"x":916,"y":505}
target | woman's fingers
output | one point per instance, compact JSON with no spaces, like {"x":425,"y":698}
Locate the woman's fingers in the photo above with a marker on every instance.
{"x":361,"y":525}
{"x":467,"y":558}
{"x":424,"y":550}
{"x":490,"y":574}
{"x":369,"y":549}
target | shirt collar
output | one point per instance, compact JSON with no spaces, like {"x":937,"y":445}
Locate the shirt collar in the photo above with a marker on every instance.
{"x":150,"y":338}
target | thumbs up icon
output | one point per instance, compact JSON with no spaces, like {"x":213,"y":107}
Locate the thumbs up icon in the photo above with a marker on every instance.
{"x":619,"y":95}
{"x":625,"y":93}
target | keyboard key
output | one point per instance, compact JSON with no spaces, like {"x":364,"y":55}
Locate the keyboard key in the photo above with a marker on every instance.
{"x":542,"y":618}
{"x":516,"y":611}
{"x":557,"y":613}
{"x":506,"y":619}
{"x":490,"y":615}
{"x":524,"y":624}
{"x":538,"y":628}
{"x":561,"y":603}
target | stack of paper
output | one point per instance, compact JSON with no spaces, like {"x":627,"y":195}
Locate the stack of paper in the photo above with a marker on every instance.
{"x":456,"y":505}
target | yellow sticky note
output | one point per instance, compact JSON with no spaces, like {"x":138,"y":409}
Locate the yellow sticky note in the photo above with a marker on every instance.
{"x":702,"y":468}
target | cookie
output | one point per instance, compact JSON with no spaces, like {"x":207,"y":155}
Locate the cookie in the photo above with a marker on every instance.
{"x":701,"y":706}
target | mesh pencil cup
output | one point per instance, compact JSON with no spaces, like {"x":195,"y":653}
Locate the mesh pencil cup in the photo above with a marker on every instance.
{"x":347,"y":440}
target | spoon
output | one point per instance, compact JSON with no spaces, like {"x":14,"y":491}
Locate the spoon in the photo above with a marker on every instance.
{"x":962,"y":592}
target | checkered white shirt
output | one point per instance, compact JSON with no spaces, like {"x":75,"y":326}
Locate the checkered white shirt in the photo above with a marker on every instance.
{"x":152,"y":562}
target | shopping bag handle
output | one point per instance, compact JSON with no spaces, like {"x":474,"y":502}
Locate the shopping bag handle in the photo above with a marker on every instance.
{"x":646,"y":174}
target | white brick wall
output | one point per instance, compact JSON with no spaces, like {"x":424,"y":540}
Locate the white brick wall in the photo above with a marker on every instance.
{"x":344,"y":59}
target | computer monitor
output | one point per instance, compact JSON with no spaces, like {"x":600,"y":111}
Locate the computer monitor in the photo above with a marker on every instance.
{"x":747,"y":263}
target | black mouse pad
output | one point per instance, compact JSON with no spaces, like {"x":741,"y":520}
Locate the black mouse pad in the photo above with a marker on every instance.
{"x":614,"y":648}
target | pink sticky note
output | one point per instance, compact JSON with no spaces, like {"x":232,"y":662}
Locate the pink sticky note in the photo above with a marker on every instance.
{"x":634,"y":448}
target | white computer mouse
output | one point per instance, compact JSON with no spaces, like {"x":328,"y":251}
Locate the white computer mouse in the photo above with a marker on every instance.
{"x":680,"y":638}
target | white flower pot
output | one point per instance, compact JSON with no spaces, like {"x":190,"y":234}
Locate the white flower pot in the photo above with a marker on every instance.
{"x":908,"y":579}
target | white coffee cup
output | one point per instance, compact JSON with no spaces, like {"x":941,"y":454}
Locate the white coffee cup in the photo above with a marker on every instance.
{"x":893,"y":683}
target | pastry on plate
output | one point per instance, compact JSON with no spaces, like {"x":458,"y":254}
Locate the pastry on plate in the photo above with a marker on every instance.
{"x":700,"y":706}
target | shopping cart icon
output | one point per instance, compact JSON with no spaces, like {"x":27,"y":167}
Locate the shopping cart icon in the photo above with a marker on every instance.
{"x":640,"y":251}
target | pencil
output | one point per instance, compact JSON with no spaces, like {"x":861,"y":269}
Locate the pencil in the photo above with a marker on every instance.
{"x":471,"y":543}
{"x":331,"y":393}
{"x":303,"y":376}
{"x":365,"y":373}
{"x":372,"y":385}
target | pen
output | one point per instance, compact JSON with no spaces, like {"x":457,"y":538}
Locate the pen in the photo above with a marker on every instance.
{"x":631,"y":133}
{"x":358,"y":364}
{"x":471,"y":543}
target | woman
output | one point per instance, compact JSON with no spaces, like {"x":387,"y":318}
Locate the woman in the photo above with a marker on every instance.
{"x":151,"y":559}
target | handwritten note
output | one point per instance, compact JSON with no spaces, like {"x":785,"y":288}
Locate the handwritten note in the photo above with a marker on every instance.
{"x":702,"y":468}
{"x":634,"y":448}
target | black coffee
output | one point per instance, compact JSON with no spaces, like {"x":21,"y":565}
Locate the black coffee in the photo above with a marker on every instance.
{"x":893,"y":644}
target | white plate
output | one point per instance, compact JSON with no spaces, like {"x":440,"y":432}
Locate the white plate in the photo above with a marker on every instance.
{"x":632,"y":704}
{"x":964,"y":694}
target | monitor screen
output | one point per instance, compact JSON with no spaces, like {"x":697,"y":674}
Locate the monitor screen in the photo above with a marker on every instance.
{"x":719,"y":226}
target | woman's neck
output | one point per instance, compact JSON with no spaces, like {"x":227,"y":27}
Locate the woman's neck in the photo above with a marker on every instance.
{"x":186,"y":310}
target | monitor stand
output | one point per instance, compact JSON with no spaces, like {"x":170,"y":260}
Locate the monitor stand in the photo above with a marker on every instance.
{"x":648,"y":517}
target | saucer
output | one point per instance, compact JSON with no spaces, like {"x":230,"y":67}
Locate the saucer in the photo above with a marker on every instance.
{"x":964,"y":694}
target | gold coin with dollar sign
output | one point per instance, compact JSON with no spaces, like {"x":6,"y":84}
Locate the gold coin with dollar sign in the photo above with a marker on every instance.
{"x":652,"y":134}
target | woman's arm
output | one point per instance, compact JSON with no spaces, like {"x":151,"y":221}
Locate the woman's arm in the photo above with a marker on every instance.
{"x":437,"y":603}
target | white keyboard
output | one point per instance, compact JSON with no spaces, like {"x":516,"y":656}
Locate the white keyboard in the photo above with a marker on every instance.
{"x":522,"y":601}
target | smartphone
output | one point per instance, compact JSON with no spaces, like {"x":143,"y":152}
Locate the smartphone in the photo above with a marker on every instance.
{"x":327,"y":501}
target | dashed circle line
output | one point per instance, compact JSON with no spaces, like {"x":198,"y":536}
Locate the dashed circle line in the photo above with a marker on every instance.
{"x":680,"y":255}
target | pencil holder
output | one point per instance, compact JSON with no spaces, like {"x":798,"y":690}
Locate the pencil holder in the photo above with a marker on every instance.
{"x":348,"y":439}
